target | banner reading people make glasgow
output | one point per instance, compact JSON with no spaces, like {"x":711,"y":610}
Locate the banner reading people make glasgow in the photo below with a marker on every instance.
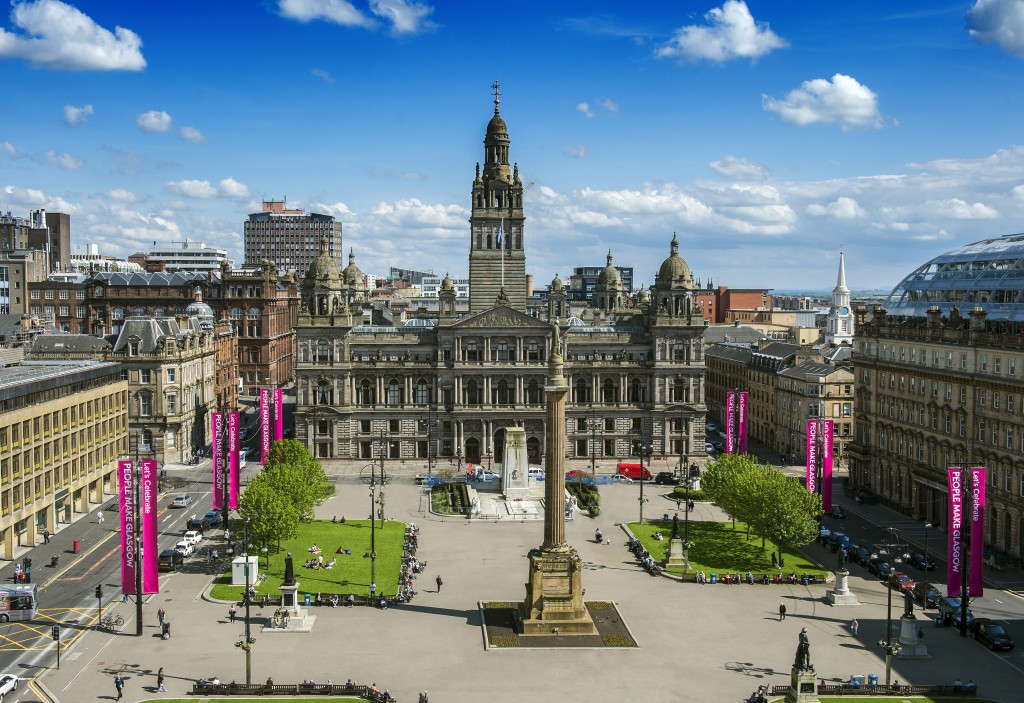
{"x":234,"y":443}
{"x":264,"y":424}
{"x":148,"y":490}
{"x":743,"y":424}
{"x":126,"y":502}
{"x":812,"y":456}
{"x":217,"y":457}
{"x":954,"y":559}
{"x":826,"y":465}
{"x":278,"y":414}
{"x":976,"y":587}
{"x":730,"y":422}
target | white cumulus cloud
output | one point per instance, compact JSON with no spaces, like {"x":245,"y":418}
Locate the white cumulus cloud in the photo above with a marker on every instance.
{"x":405,"y":17}
{"x":842,"y":208}
{"x":323,"y":75}
{"x":121,"y":195}
{"x":230,"y":188}
{"x":609,"y":105}
{"x":154,"y":121}
{"x":76,"y":115}
{"x":191,"y":134}
{"x":585,"y":109}
{"x":204,"y":190}
{"x":999,"y":22}
{"x":842,"y":100}
{"x":8,"y":149}
{"x":64,"y":161}
{"x":740,"y":169}
{"x":962,"y":210}
{"x":402,"y":16}
{"x":730,"y":33}
{"x":56,"y":35}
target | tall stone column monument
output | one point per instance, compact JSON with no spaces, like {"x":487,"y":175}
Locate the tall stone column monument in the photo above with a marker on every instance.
{"x":554,"y":591}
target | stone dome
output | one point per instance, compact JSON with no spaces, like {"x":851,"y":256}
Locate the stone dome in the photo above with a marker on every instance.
{"x":644,"y":296}
{"x":447,"y":283}
{"x":610,"y":276}
{"x":496,"y":128}
{"x":352,"y":276}
{"x":556,"y":283}
{"x":324,"y":271}
{"x":674,"y":271}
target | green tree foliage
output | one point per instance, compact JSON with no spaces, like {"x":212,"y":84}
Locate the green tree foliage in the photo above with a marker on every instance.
{"x":300,"y":478}
{"x":773,"y":506}
{"x":272,"y":516}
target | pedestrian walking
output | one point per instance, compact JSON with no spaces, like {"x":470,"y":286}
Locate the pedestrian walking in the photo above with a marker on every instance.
{"x":160,"y":680}
{"x":99,"y":517}
{"x":160,"y":614}
{"x":782,"y":612}
{"x":854,"y":627}
{"x":46,"y":536}
{"x":679,"y":504}
{"x":423,"y":697}
{"x":232,"y":612}
{"x":119,"y":685}
{"x":439,"y":583}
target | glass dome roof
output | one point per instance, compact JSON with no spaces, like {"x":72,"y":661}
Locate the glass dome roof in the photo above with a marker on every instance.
{"x":988,"y":274}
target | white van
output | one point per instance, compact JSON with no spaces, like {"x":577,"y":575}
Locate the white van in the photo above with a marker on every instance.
{"x":535,"y":472}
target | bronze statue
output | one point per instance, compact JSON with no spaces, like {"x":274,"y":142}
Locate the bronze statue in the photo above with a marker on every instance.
{"x":841,"y":559}
{"x":289,"y":571}
{"x":675,"y":526}
{"x":908,"y":604}
{"x":803,"y":652}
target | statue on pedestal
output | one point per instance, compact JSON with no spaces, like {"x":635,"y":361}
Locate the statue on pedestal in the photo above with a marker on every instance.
{"x":803,"y":652}
{"x":675,"y":526}
{"x":908,"y":604}
{"x":841,"y":559}
{"x":289,"y":571}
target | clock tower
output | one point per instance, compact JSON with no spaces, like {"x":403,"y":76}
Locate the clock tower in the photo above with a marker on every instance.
{"x":839,"y":328}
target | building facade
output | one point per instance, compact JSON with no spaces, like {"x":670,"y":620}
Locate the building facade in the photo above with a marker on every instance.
{"x":289,"y":238}
{"x":374,"y":379}
{"x":188,"y":256}
{"x":63,"y":425}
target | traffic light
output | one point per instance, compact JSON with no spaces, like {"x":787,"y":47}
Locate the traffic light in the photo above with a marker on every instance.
{"x":55,"y":632}
{"x":99,"y":592}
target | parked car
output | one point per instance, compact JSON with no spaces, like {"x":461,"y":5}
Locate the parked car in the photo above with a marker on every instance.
{"x":709,"y":448}
{"x":181,"y":501}
{"x":880,"y":568}
{"x":619,"y":478}
{"x":719,"y":445}
{"x":950,"y":610}
{"x":666,"y":478}
{"x":8,"y":683}
{"x":486,"y":475}
{"x":839,"y":539}
{"x":933,"y":595}
{"x":170,"y":560}
{"x":712,"y":427}
{"x":193,"y":536}
{"x":184,"y":548}
{"x":861,"y":555}
{"x":991,"y":634}
{"x":576,"y":475}
{"x":901,"y":582}
{"x":837,"y":513}
{"x":212,"y":518}
{"x":918,"y":560}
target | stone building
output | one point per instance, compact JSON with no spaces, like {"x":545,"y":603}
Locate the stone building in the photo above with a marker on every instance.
{"x":938,"y":388}
{"x":63,"y":425}
{"x":287,"y":236}
{"x":372,"y":377}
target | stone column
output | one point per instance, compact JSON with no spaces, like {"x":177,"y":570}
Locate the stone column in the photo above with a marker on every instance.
{"x":554,"y":457}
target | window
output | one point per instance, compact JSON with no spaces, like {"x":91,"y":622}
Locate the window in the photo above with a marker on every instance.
{"x":172,"y":375}
{"x":172,"y":405}
{"x":79,"y":294}
{"x":949,"y":391}
{"x":65,"y":310}
{"x":49,"y":295}
{"x":981,"y":431}
{"x":364,"y":426}
{"x":145,"y":405}
{"x":997,"y":365}
{"x":501,"y":352}
{"x":394,"y":426}
{"x":394,"y":393}
{"x":963,"y":394}
{"x":472,"y":351}
{"x":80,"y":311}
{"x":145,"y":376}
{"x":982,"y":398}
{"x":995,"y":400}
{"x":532,"y":351}
{"x":984,"y":362}
{"x":422,"y":392}
{"x":171,"y":439}
{"x":1009,"y":403}
{"x":1011,"y":367}
{"x":609,"y":424}
{"x":949,"y":360}
{"x":133,"y":348}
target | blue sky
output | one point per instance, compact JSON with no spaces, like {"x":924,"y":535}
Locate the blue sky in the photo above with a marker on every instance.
{"x":766,"y":134}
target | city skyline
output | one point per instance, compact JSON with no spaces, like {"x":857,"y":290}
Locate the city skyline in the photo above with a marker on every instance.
{"x":766,"y":135}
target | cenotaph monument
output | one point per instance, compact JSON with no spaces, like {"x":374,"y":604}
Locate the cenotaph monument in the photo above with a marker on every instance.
{"x":554,"y":591}
{"x":515,"y":467}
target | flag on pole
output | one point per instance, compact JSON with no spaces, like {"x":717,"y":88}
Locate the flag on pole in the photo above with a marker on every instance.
{"x":501,"y":226}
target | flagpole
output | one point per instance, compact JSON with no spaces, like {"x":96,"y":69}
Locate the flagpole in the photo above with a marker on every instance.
{"x":501,"y":245}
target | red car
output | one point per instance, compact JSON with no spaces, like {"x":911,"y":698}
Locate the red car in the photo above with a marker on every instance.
{"x":901,"y":582}
{"x":576,"y":475}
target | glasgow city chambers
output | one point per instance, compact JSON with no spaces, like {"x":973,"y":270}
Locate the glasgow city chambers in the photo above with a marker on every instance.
{"x":373,"y":380}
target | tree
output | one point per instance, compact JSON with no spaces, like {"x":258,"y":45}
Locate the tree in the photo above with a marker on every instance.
{"x":272,"y":516}
{"x":300,"y":478}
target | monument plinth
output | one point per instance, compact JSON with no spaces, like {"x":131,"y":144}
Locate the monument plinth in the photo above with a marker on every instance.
{"x":841,"y":594}
{"x":554,"y":591}
{"x":912,"y":644}
{"x":515,"y":465}
{"x":803,"y":683}
{"x":678,"y":553}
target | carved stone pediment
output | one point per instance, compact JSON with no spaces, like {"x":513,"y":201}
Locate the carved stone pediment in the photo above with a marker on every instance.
{"x":502,"y":317}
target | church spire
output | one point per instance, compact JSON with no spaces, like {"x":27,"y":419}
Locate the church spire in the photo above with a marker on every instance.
{"x":841,"y":280}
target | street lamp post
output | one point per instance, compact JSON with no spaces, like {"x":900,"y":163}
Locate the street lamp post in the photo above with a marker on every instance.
{"x":593,"y":442}
{"x":897,"y":550}
{"x":642,"y":449}
{"x":924,"y":604}
{"x":248,"y":632}
{"x":137,"y":474}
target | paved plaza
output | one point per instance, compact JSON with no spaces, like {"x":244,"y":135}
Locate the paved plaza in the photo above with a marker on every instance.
{"x":696,"y":642}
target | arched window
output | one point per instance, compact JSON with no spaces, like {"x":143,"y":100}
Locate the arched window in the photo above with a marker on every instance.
{"x":608,"y":391}
{"x":533,"y":393}
{"x":159,"y":312}
{"x":323,"y":351}
{"x":501,"y":351}
{"x":254,"y":355}
{"x":236,"y":314}
{"x":502,"y":394}
{"x":366,"y":393}
{"x":636,"y":391}
{"x":581,"y":391}
{"x":324,"y":394}
{"x":117,"y":314}
{"x":472,"y":393}
{"x":253,"y":314}
{"x":394,"y":392}
{"x":422,"y":392}
{"x":139,"y":312}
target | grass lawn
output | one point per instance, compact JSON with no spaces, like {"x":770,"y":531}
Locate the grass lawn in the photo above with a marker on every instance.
{"x":718,"y":548}
{"x":233,"y":699}
{"x":899,"y":699}
{"x":350,"y":575}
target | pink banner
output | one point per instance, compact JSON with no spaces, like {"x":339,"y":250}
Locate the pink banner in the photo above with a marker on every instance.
{"x":217,"y":455}
{"x":955,"y":560}
{"x":742,"y":433}
{"x":264,"y":424}
{"x":826,"y":465}
{"x":730,"y":420}
{"x":976,"y":575}
{"x":148,"y":489}
{"x":812,"y":456}
{"x":278,"y":414}
{"x":126,"y":502}
{"x":234,"y":443}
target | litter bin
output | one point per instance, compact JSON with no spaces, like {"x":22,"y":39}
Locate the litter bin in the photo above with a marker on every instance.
{"x":307,"y":600}
{"x":872,"y":679}
{"x":714,"y":577}
{"x":938,"y":621}
{"x":76,"y":546}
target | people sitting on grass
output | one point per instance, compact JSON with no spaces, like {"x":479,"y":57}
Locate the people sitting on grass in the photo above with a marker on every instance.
{"x":314,"y":549}
{"x":343,"y":550}
{"x":657,"y":536}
